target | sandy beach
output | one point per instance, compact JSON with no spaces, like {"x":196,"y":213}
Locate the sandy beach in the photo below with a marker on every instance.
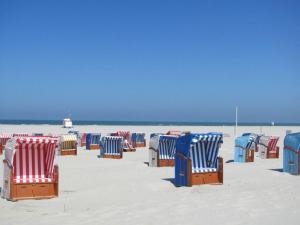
{"x":127,"y":191}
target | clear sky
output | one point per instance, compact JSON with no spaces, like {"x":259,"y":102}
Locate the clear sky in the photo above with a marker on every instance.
{"x":150,"y":60}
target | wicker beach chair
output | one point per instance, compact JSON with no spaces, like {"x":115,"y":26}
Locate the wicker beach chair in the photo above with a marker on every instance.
{"x":138,"y":140}
{"x":267,"y":148}
{"x":127,"y":143}
{"x":244,"y":149}
{"x":68,"y":144}
{"x":111,"y":147}
{"x":3,"y":139}
{"x":162,"y":150}
{"x":291,"y":154}
{"x":29,"y":170}
{"x":93,"y":141}
{"x":197,"y":161}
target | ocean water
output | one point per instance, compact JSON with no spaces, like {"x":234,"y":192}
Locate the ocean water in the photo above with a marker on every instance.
{"x":141,"y":123}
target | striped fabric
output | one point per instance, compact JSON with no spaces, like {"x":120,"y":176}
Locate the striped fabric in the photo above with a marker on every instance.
{"x":204,"y":152}
{"x":267,"y":143}
{"x":127,"y":144}
{"x":68,"y":141}
{"x":4,"y":138}
{"x":167,"y":147}
{"x":94,"y":139}
{"x":174,"y":132}
{"x":111,"y":145}
{"x":83,"y":138}
{"x":33,"y":159}
{"x":138,"y":137}
{"x":20,"y":135}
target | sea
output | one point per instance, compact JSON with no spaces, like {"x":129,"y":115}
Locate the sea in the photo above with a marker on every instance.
{"x":143,"y":123}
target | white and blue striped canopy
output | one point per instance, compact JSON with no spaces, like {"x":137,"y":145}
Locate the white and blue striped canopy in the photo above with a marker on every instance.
{"x":167,"y":146}
{"x":112,"y":145}
{"x":202,"y":149}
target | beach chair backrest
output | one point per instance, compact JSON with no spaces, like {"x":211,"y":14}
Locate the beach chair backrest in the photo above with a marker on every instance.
{"x":32,"y":158}
{"x":167,"y":146}
{"x":204,"y":150}
{"x":112,"y":145}
{"x":68,"y":141}
{"x":138,"y":137}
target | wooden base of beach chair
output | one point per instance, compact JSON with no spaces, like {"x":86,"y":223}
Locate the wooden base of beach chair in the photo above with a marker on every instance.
{"x":94,"y":147}
{"x":82,"y":144}
{"x":139,"y":145}
{"x":208,"y":177}
{"x":35,"y":190}
{"x":1,"y":150}
{"x":112,"y":156}
{"x":273,"y":155}
{"x":250,"y":155}
{"x":68,"y":152}
{"x":129,"y":150}
{"x":166,"y":163}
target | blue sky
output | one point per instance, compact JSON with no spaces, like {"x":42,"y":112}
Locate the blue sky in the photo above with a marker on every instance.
{"x":150,"y":60}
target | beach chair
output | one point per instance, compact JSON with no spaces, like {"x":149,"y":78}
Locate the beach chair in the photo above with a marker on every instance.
{"x":20,"y":135}
{"x":37,"y":134}
{"x":174,"y":132}
{"x":93,"y":141}
{"x":244,"y":148}
{"x":29,"y":170}
{"x":111,"y":147}
{"x":138,"y":140}
{"x":197,"y":161}
{"x":127,"y":144}
{"x":267,"y":148}
{"x":82,"y":138}
{"x":68,"y":144}
{"x":162,"y":150}
{"x":291,"y":154}
{"x":3,"y":139}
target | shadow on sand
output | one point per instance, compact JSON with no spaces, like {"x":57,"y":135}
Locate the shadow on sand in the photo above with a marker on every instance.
{"x":147,"y":163}
{"x":277,"y":170}
{"x":229,"y":161}
{"x":171,"y":180}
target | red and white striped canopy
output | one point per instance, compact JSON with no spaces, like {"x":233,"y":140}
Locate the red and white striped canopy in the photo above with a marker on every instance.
{"x":125,"y":134}
{"x":32,"y":158}
{"x":4,"y":138}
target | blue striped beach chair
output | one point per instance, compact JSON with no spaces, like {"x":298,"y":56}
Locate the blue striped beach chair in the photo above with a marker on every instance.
{"x":138,"y":140}
{"x":291,"y":154}
{"x":111,"y":147}
{"x":244,"y":148}
{"x":197,"y":161}
{"x":162,"y":150}
{"x":93,"y":141}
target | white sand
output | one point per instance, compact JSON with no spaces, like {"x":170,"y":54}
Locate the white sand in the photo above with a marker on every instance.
{"x":127,"y":191}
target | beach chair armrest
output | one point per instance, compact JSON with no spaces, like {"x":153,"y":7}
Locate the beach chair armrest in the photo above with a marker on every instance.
{"x":7,"y":163}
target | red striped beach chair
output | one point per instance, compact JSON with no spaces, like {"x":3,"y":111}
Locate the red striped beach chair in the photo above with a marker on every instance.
{"x":127,"y":144}
{"x":68,"y":144}
{"x":267,"y":148}
{"x":3,"y":139}
{"x":29,"y":170}
{"x":174,"y":132}
{"x":82,"y":140}
{"x":20,"y":135}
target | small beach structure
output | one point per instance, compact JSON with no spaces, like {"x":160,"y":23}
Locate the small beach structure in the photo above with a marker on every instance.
{"x":174,"y":132}
{"x":93,"y":141}
{"x":82,"y":139}
{"x":111,"y":147}
{"x":20,"y":135}
{"x":138,"y":140}
{"x":37,"y":134}
{"x":127,"y":144}
{"x":29,"y":170}
{"x":162,"y":150}
{"x":3,"y":139}
{"x":267,"y":148}
{"x":291,"y":154}
{"x":244,"y":148}
{"x":197,"y":161}
{"x":67,"y":123}
{"x":68,"y":144}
